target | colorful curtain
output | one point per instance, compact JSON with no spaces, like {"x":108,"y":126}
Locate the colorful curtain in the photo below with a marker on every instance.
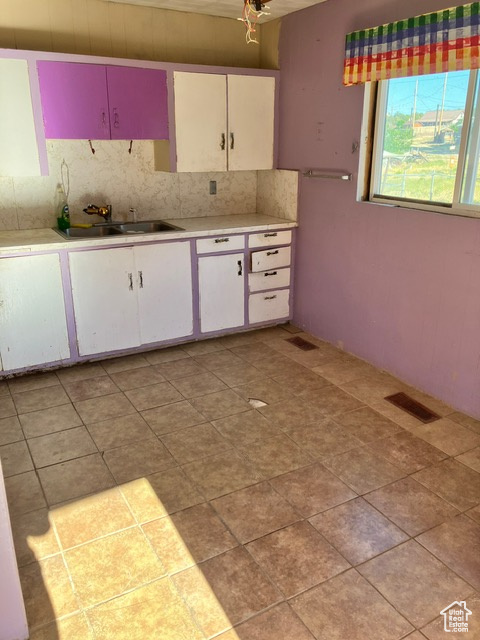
{"x":432,"y":43}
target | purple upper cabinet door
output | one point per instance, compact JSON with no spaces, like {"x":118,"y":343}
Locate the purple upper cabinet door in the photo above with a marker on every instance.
{"x":74,"y":100}
{"x":138,"y":103}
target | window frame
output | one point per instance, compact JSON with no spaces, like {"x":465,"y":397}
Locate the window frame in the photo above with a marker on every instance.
{"x":370,"y":163}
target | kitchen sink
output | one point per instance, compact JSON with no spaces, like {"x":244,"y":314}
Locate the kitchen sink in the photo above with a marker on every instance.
{"x":149,"y":226}
{"x":91,"y":232}
{"x":119,"y":228}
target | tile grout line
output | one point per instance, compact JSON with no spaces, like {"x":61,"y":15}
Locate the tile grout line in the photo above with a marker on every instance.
{"x":267,"y":480}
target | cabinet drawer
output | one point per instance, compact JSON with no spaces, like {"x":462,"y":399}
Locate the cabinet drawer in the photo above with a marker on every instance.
{"x":269,"y":238}
{"x":270,"y":305}
{"x":269,"y":280}
{"x":270,"y":259}
{"x":220,"y":244}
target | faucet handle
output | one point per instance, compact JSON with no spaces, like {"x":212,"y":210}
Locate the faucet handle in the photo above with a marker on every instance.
{"x":106,"y":212}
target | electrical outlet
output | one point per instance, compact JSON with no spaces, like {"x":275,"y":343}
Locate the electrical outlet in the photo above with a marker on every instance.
{"x":213,"y":187}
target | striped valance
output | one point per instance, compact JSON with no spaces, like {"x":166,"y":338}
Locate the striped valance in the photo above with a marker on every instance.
{"x":432,"y":43}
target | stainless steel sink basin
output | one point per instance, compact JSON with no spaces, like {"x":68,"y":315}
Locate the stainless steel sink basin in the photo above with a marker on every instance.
{"x":118,"y":229}
{"x":92,"y":232}
{"x":148,"y":226}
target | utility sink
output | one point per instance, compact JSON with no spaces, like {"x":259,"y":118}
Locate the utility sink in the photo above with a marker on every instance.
{"x":118,"y":229}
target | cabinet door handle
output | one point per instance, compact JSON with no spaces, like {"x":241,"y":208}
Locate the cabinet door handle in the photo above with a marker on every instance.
{"x":222,"y":143}
{"x":217,"y":240}
{"x":269,"y":297}
{"x":140,"y":279}
{"x":240,"y":267}
{"x":130,"y":281}
{"x":272,"y":273}
{"x":272,"y":253}
{"x":104,"y":119}
{"x":232,"y":140}
{"x":116,"y":118}
{"x":270,"y":235}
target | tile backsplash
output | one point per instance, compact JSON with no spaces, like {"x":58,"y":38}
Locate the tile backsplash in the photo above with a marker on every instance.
{"x":277,"y":193}
{"x":113,"y":176}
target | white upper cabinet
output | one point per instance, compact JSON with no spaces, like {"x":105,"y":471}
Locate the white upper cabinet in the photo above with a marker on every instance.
{"x":201,"y":121}
{"x":18,"y":140}
{"x":224,"y":122}
{"x":251,"y":104}
{"x":33,"y":324}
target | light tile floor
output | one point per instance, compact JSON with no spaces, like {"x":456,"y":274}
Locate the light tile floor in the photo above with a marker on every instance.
{"x":150,"y":500}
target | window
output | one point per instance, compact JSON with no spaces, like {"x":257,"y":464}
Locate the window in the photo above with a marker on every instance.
{"x":426,"y":143}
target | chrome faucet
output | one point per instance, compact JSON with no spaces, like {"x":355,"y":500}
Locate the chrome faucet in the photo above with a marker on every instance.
{"x":104,"y":212}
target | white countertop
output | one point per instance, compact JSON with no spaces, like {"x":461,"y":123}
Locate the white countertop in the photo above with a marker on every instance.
{"x":46,"y":239}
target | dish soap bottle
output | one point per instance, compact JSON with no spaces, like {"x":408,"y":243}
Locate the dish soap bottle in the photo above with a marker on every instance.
{"x":63,"y":212}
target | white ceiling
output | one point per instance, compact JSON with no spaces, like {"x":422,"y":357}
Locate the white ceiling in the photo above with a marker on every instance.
{"x":225,"y":8}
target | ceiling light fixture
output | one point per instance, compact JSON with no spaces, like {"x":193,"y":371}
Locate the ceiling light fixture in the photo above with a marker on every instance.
{"x":252,"y":11}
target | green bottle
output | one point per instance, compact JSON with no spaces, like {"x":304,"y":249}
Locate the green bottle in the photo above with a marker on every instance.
{"x":63,"y":220}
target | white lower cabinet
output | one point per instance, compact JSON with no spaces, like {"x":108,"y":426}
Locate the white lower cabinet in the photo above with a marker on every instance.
{"x":124,"y":297}
{"x":271,"y":258}
{"x":268,"y":305}
{"x":165,"y":298}
{"x":269,"y":277}
{"x":104,"y":300}
{"x":263,"y":280}
{"x":221,"y":291}
{"x":141,"y":294}
{"x":220,"y":244}
{"x":269,"y":239}
{"x":33,"y":325}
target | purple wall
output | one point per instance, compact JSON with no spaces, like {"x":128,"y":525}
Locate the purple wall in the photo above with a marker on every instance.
{"x":399,"y":288}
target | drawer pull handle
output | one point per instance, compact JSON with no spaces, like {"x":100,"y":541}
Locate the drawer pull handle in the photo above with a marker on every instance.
{"x":269,"y":297}
{"x":130,"y":281}
{"x":272,"y":273}
{"x":270,"y":235}
{"x":272,"y":253}
{"x":240,"y":268}
{"x":217,"y":240}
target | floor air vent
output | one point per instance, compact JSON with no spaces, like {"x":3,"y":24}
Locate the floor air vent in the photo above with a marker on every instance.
{"x":302,"y":344}
{"x":411,"y":406}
